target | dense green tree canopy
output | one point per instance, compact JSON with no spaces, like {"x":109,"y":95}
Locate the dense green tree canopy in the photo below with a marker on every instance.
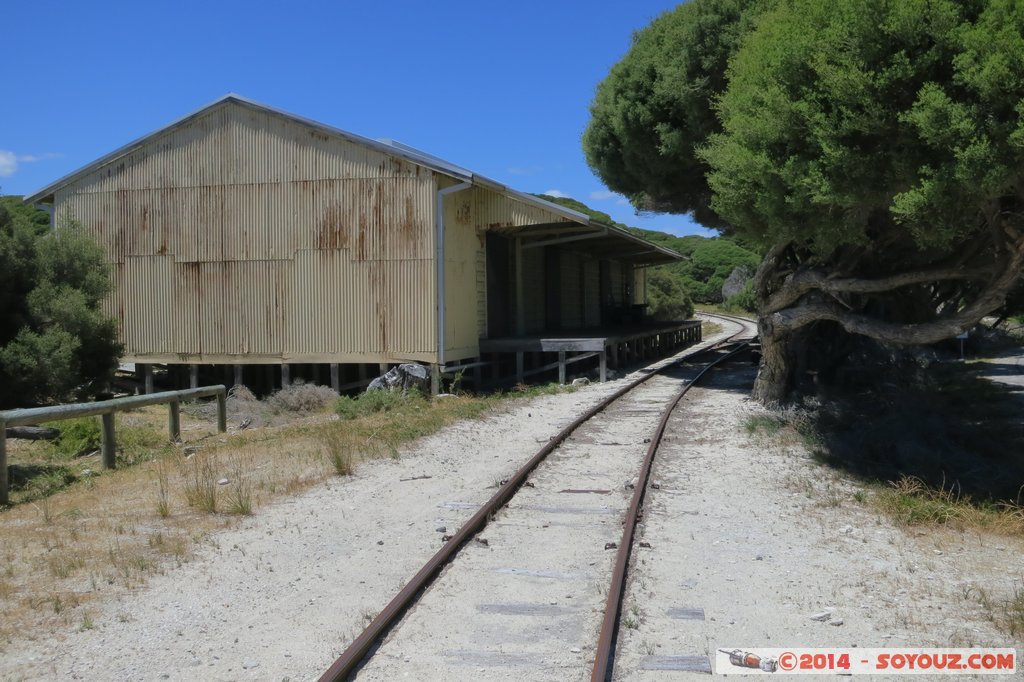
{"x":872,"y":148}
{"x":655,"y":104}
{"x":55,"y":342}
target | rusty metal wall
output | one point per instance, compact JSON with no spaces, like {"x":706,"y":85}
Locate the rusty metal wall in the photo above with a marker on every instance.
{"x":246,"y":235}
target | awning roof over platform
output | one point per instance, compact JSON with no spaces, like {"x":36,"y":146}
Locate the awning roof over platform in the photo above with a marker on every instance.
{"x":603,"y":241}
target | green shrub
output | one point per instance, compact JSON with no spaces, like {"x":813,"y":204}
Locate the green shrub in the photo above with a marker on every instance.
{"x":745,"y":300}
{"x":370,"y":402}
{"x":77,"y":436}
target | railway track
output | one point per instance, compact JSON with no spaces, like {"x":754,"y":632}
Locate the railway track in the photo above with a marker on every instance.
{"x":552,"y":566}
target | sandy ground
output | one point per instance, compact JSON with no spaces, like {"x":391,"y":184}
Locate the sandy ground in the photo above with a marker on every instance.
{"x":754,"y":535}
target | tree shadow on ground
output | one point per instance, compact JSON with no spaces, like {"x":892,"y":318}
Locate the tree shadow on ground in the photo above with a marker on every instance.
{"x":949,"y":427}
{"x":32,"y":481}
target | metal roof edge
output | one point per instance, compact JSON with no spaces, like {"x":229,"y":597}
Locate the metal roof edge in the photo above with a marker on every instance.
{"x":122,"y":150}
{"x":402,"y":151}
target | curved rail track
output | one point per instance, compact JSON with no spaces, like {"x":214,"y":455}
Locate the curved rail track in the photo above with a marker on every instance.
{"x":631,"y":399}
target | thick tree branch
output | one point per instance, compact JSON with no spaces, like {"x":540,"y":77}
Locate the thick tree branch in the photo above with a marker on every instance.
{"x":800,"y":283}
{"x":987,"y":301}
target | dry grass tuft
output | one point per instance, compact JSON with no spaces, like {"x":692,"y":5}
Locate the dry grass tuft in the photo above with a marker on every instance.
{"x":338,"y":452}
{"x":199,"y":474}
{"x":911,"y":501}
{"x":301,"y":397}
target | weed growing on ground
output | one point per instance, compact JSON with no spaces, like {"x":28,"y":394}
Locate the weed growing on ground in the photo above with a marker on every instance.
{"x":163,"y":503}
{"x":338,"y":452}
{"x":766,"y":424}
{"x":200,"y":481}
{"x":86,"y":623}
{"x":239,"y":496}
{"x":1007,"y":614}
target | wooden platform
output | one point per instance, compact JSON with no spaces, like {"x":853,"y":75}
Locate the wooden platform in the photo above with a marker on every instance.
{"x":608,"y":344}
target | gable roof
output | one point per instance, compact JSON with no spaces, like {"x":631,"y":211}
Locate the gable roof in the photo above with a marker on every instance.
{"x":389,"y":147}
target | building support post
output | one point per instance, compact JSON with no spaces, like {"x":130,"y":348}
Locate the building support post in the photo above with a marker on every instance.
{"x":383,"y":368}
{"x":603,"y":362}
{"x":561,"y":368}
{"x":335,"y":377}
{"x":519,"y":367}
{"x":147,"y":373}
{"x":238,"y":375}
{"x":193,"y":376}
{"x":435,"y":379}
{"x":286,"y":375}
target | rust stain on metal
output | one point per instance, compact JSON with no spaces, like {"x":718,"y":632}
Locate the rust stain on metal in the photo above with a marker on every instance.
{"x":331,"y":234}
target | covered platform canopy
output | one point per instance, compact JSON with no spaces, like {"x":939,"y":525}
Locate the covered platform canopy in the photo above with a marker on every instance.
{"x":597,"y":239}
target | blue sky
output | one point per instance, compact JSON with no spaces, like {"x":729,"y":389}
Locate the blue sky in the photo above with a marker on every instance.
{"x":500,"y":88}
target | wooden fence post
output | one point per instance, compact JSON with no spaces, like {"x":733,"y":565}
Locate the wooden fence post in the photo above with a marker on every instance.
{"x":108,"y":446}
{"x":222,"y":413}
{"x":174,"y":420}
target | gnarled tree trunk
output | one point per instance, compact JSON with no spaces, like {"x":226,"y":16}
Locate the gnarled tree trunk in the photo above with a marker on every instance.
{"x":797,"y":289}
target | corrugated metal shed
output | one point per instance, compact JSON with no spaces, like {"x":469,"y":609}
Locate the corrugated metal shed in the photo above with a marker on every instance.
{"x":241,"y":233}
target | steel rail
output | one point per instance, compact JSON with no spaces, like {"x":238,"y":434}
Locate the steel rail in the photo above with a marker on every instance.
{"x":350,"y":659}
{"x":603,"y":662}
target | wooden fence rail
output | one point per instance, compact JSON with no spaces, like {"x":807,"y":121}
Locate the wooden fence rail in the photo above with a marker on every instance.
{"x":106,"y":409}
